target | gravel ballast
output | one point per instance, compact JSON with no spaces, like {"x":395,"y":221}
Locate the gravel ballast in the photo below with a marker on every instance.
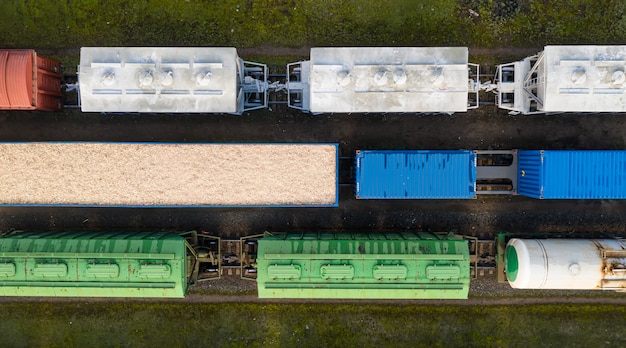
{"x":151,"y":174}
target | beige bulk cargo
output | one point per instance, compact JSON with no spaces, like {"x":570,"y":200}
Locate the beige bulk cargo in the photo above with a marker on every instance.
{"x":168,"y":174}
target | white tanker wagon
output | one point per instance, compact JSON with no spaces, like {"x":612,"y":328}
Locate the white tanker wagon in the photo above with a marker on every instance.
{"x":564,"y":79}
{"x":568,"y":264}
{"x":384,"y":79}
{"x":170,"y":80}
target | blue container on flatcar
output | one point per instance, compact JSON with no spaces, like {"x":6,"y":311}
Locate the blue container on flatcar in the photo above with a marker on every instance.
{"x":572,"y":174}
{"x":415,"y":174}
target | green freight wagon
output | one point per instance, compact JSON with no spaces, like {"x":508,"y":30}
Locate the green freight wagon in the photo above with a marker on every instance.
{"x":91,"y":264}
{"x":372,"y":265}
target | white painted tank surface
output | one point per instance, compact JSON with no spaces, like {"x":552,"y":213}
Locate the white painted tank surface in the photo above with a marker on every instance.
{"x":570,"y":78}
{"x":159,"y":79}
{"x":566,"y":264}
{"x":387,"y":79}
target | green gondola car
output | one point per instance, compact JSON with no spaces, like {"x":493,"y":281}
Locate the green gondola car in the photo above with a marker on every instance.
{"x":361,"y":266}
{"x":90,"y":264}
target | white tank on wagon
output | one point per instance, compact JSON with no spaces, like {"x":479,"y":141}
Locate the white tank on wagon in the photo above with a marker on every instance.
{"x":581,"y":78}
{"x":566,"y":264}
{"x":384,"y":79}
{"x":170,"y":80}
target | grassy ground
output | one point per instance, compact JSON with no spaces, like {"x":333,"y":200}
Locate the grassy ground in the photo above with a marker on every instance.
{"x":307,"y":325}
{"x":63,"y":24}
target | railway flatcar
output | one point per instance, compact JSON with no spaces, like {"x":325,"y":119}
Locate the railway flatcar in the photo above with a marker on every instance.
{"x":29,"y":81}
{"x":564,"y":79}
{"x":541,"y":174}
{"x":168,"y":174}
{"x":170,"y":80}
{"x":383,"y":79}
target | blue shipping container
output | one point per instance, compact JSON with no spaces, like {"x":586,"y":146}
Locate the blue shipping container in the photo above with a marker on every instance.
{"x":575,"y":174}
{"x":415,"y":174}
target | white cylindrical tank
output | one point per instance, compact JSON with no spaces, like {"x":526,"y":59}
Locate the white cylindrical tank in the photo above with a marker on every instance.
{"x":566,"y":263}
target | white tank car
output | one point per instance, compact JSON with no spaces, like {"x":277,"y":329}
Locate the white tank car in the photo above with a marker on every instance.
{"x":566,"y":264}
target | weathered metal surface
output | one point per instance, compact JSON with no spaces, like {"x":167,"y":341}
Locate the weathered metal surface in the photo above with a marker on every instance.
{"x":28,"y":81}
{"x":384,"y":79}
{"x":572,"y":174}
{"x":415,"y":174}
{"x":373,"y":265}
{"x":566,"y":264}
{"x":579,"y":78}
{"x":165,"y":79}
{"x":92,"y":264}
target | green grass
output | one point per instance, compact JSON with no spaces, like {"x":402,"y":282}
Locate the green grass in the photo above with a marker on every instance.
{"x":276,"y":64}
{"x":69,"y":24}
{"x":161,"y":324}
{"x":63,"y":24}
{"x":535,"y":23}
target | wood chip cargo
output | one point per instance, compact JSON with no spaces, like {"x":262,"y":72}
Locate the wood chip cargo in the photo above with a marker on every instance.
{"x":168,"y":174}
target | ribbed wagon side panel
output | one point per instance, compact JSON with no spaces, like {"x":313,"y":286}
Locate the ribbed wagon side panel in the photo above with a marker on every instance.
{"x":48,"y":64}
{"x":29,"y":82}
{"x":573,"y":174}
{"x":4,"y":93}
{"x":374,"y":265}
{"x":18,"y":79}
{"x":529,"y":174}
{"x":591,"y":174}
{"x":415,"y":174}
{"x":20,"y":76}
{"x":91,"y":264}
{"x":48,"y":84}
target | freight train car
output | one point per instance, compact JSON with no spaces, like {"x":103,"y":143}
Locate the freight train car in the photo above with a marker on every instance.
{"x":168,"y":174}
{"x":415,"y":174}
{"x":572,"y":174}
{"x":542,"y":174}
{"x":383,"y":79}
{"x":564,"y":79}
{"x":591,"y":264}
{"x":369,"y":265}
{"x":29,"y":81}
{"x":170,"y":79}
{"x":86,"y":264}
